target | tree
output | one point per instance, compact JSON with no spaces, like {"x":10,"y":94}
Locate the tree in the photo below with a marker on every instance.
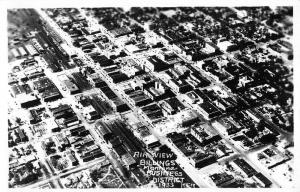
{"x":18,"y":120}
{"x":9,"y":123}
{"x":29,"y":166}
{"x":269,"y":138}
{"x":94,"y":175}
{"x":17,"y":178}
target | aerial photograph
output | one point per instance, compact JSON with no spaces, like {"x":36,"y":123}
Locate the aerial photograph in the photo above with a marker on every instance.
{"x":150,"y":97}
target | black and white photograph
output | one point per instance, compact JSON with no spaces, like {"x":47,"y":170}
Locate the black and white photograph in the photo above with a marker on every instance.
{"x":149,"y":97}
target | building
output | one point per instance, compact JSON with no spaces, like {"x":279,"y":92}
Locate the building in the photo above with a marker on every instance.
{"x":37,"y":45}
{"x":153,"y":63}
{"x":52,"y":125}
{"x":244,"y":167}
{"x":73,"y":158}
{"x":171,"y":106}
{"x":47,"y":89}
{"x":24,"y":96}
{"x":137,"y":97}
{"x":151,"y":141}
{"x":226,"y":104}
{"x":208,"y":110}
{"x":179,"y":86}
{"x":274,"y":157}
{"x":153,"y":113}
{"x":103,"y":130}
{"x":95,"y":80}
{"x":137,"y":48}
{"x":22,"y":51}
{"x":34,"y":72}
{"x":120,"y":150}
{"x":79,"y":131}
{"x":196,"y":80}
{"x":62,"y":141}
{"x":71,"y":87}
{"x":118,"y":32}
{"x":62,"y":111}
{"x":227,"y":126}
{"x":262,"y":180}
{"x":90,"y":112}
{"x":68,"y":122}
{"x":129,"y":161}
{"x":221,"y":178}
{"x":33,"y":117}
{"x":205,"y":134}
{"x":32,"y":51}
{"x":15,"y":53}
{"x":21,"y":136}
{"x":156,"y":90}
{"x":200,"y":160}
{"x":117,"y":104}
{"x":224,"y":45}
